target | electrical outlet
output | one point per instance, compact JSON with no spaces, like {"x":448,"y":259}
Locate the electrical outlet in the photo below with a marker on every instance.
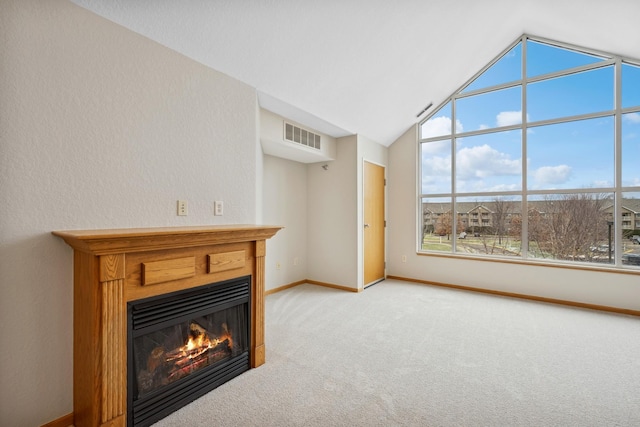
{"x":182,"y":208}
{"x":404,"y":258}
{"x":218,"y":208}
{"x":277,"y":266}
{"x":296,"y":261}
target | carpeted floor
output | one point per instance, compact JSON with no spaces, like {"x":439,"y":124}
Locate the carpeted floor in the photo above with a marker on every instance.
{"x":404,"y":354}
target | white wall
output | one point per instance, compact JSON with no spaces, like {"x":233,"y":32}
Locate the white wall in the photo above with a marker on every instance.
{"x":285,"y":204}
{"x":100,"y":128}
{"x":259,"y":169}
{"x":321,"y":211}
{"x":335,"y":205}
{"x":332,"y":204}
{"x":274,"y":144}
{"x":591,"y":287}
{"x":401,"y":200}
{"x":285,"y":199}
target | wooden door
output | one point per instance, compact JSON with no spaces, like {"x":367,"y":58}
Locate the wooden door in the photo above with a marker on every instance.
{"x":374,"y":223}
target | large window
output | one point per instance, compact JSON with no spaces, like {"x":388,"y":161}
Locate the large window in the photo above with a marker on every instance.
{"x":536,"y":158}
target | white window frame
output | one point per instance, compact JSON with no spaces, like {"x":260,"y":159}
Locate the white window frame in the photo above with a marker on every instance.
{"x":617,"y":113}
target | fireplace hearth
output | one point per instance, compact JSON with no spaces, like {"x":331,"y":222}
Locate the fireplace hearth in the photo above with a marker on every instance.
{"x":163,"y":316}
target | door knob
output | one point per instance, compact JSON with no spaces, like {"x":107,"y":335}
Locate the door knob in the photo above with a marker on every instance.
{"x":366,"y":226}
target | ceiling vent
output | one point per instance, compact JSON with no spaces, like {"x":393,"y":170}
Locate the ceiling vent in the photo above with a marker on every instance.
{"x":301,"y":136}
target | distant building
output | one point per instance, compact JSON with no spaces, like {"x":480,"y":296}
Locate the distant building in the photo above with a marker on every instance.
{"x":485,"y":216}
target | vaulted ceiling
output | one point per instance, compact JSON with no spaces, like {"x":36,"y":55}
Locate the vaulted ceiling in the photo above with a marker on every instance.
{"x":365,"y":66}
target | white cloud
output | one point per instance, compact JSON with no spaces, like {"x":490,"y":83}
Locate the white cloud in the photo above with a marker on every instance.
{"x":552,"y":174}
{"x":436,"y":185}
{"x":602,"y":183}
{"x":483,"y":127}
{"x":436,"y":148}
{"x":470,"y":186}
{"x":505,"y":187}
{"x":483,"y":161}
{"x":439,"y":126}
{"x":508,"y":118}
{"x":436,"y":127}
{"x":632,"y":117}
{"x":437,"y":166}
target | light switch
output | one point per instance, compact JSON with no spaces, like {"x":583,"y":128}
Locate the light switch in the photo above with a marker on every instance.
{"x":218,"y":208}
{"x":182,"y":208}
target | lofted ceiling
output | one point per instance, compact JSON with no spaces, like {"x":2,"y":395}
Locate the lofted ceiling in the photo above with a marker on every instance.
{"x":365,"y":66}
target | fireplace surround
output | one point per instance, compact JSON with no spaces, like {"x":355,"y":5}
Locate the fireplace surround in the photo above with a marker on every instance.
{"x":116,"y":270}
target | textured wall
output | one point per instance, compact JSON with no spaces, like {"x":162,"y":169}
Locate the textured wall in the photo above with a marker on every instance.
{"x":332,"y":204}
{"x":99,"y":128}
{"x":285,"y":197}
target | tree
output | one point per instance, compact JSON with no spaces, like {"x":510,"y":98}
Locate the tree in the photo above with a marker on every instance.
{"x":573,"y":224}
{"x":502,"y":209}
{"x":444,"y":224}
{"x":537,"y":229}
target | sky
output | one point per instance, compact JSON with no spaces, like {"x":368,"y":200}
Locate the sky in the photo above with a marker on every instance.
{"x":570,"y":155}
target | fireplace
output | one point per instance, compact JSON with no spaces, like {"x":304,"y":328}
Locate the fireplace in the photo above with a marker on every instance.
{"x":183,"y":345}
{"x":163,"y":316}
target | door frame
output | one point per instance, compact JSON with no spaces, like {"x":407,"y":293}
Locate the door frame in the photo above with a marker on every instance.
{"x":362,"y":220}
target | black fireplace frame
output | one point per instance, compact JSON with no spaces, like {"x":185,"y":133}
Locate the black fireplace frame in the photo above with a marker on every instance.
{"x":154,"y":313}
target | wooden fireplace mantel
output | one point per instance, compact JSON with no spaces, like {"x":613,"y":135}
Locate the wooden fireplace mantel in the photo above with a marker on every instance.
{"x":114,"y":267}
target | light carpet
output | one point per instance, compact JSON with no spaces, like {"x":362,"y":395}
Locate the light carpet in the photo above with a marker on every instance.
{"x":405,"y":354}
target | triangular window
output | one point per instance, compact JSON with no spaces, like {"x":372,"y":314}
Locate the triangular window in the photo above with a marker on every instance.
{"x":506,"y":69}
{"x":561,"y":138}
{"x":544,"y":58}
{"x":630,"y":85}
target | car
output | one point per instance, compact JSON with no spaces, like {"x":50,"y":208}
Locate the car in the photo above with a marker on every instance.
{"x":631,"y":259}
{"x":635,"y":239}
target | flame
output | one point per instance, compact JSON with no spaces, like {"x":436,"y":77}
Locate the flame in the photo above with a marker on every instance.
{"x":198,"y":343}
{"x":190,"y":357}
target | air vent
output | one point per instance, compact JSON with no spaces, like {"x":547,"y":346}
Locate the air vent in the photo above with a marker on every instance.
{"x":301,"y":136}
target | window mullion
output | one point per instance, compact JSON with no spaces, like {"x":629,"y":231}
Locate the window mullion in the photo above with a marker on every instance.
{"x":617,"y":158}
{"x":524,"y":238}
{"x":454,"y":141}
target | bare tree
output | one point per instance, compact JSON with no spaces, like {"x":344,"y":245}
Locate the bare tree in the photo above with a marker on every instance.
{"x":537,"y":229}
{"x":502,"y":208}
{"x":497,"y":231}
{"x":573,"y":224}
